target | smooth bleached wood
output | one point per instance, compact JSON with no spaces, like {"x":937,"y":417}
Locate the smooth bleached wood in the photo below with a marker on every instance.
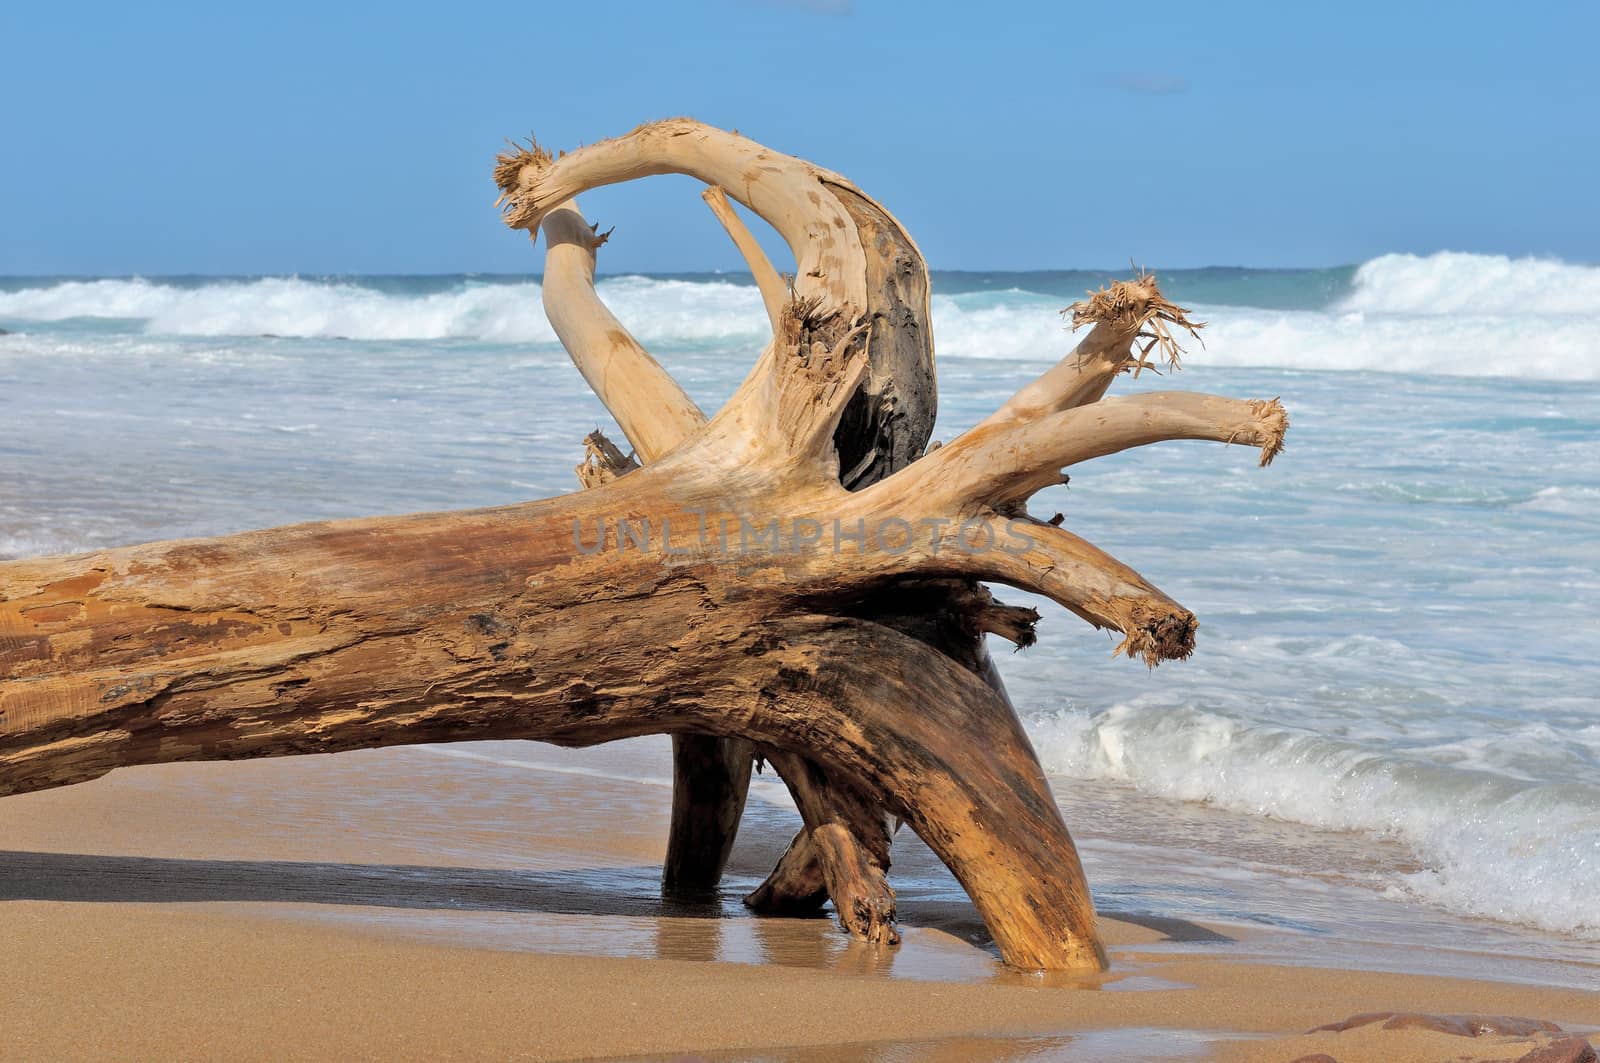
{"x":774,"y":292}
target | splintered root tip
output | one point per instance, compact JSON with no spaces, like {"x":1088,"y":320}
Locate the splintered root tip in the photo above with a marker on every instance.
{"x":510,"y":176}
{"x":1272,"y":424}
{"x":802,"y":314}
{"x":1138,"y":306}
{"x":508,"y":165}
{"x":1017,"y":624}
{"x":603,"y":461}
{"x":807,"y":322}
{"x":1158,"y":636}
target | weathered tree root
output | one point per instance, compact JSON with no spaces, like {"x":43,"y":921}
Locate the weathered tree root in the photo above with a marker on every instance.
{"x":710,"y":779}
{"x":627,"y":609}
{"x":842,"y":854}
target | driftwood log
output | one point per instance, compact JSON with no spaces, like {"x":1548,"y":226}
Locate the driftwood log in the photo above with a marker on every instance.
{"x":793,"y":578}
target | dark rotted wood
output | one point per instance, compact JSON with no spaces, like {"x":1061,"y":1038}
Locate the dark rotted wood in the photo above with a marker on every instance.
{"x":841,"y":854}
{"x":710,"y":780}
{"x":888,"y":424}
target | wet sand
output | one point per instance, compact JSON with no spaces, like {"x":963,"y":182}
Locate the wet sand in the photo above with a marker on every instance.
{"x":459,"y":902}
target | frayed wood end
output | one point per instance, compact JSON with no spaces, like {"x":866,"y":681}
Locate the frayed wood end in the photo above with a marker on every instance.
{"x":981,"y":614}
{"x":515,"y":170}
{"x":1138,"y":306}
{"x":803,"y":319}
{"x":1155,"y":635}
{"x":603,"y":461}
{"x":1272,"y":425}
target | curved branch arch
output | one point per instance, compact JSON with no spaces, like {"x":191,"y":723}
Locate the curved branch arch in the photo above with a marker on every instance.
{"x":852,"y":257}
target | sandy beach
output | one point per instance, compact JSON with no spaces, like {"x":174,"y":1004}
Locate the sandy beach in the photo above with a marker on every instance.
{"x":427,"y":903}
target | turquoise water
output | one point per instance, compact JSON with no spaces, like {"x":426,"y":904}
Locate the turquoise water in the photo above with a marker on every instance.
{"x":1393,"y":714}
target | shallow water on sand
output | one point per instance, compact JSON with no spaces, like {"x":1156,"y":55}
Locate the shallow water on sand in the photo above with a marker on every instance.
{"x":517,"y":846}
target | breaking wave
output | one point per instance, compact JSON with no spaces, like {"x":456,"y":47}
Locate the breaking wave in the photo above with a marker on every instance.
{"x":1447,"y":313}
{"x":1451,"y":282}
{"x":658,"y":310}
{"x":1490,"y":845}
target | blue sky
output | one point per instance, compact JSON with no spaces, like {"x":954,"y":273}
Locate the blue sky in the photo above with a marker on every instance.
{"x":289,"y":136}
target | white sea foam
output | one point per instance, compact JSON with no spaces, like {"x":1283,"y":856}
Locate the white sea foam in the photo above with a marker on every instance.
{"x":1490,"y":845}
{"x":41,"y":544}
{"x":291,"y":306}
{"x":656,"y":310}
{"x":1534,"y":346}
{"x":1567,"y":500}
{"x":1451,"y":282}
{"x":1448,"y":313}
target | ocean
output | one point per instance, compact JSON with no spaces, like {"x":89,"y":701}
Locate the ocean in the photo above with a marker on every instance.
{"x":1390,"y":729}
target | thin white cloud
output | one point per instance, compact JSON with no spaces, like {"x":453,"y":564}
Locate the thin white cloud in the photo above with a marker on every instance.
{"x":814,"y":7}
{"x":1148,"y":84}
